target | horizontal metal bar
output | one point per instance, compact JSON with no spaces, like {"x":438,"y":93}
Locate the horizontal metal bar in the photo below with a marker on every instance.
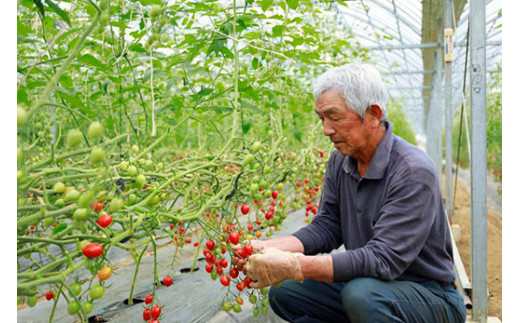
{"x":427,"y":45}
{"x":408,"y":72}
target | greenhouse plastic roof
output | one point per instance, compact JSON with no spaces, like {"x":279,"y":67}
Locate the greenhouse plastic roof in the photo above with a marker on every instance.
{"x":400,"y":35}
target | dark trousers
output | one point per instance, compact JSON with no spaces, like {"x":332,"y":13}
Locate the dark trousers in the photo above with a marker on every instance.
{"x":367,"y":300}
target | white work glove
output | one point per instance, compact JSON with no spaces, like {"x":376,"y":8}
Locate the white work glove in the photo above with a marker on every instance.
{"x":273,"y":266}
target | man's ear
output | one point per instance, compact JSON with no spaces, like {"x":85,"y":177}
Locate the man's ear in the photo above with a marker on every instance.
{"x":374,"y":114}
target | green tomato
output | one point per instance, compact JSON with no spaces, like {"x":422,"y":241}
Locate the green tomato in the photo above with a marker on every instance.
{"x":48,"y":221}
{"x":80,"y":214}
{"x":254,"y":188}
{"x":264,"y":291}
{"x":253,"y":299}
{"x":97,"y":291}
{"x":264,"y":184}
{"x":265,"y":301}
{"x":59,"y":187}
{"x":85,"y":199}
{"x":255,"y":312}
{"x":267,"y":169}
{"x":226,"y":306}
{"x":140,"y":180}
{"x":72,"y":195}
{"x":87,"y":307}
{"x":280,"y":187}
{"x":135,"y":149}
{"x":213,"y":275}
{"x":123,"y":166}
{"x":237,"y":308}
{"x":73,"y":307}
{"x":148,"y":163}
{"x":116,"y":204}
{"x":256,"y":146}
{"x":95,"y":130}
{"x":103,"y":20}
{"x":132,"y":198}
{"x":21,"y":116}
{"x":31,"y":301}
{"x":74,"y":289}
{"x":132,"y":170}
{"x":264,"y":310}
{"x":249,"y":159}
{"x":74,"y":138}
{"x":97,"y":155}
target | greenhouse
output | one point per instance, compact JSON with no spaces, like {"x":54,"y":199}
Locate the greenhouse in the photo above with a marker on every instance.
{"x":259,"y":161}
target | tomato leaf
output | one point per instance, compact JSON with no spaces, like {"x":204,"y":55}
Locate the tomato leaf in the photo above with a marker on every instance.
{"x":266,"y":4}
{"x":62,"y":226}
{"x":88,"y":59}
{"x":293,"y":4}
{"x":54,"y":7}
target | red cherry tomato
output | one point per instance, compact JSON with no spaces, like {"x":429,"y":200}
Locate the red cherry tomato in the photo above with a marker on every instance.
{"x":245,"y":209}
{"x":210,"y":244}
{"x":234,"y":237}
{"x":104,"y":220}
{"x":209,"y":268}
{"x":97,"y":206}
{"x":49,"y":295}
{"x":147,"y":314}
{"x":248,"y":249}
{"x":224,"y":280}
{"x":234,"y":273}
{"x":219,"y":270}
{"x":148,"y":299}
{"x":156,"y":311}
{"x":168,"y":281}
{"x":93,"y":250}
{"x":274,"y":194}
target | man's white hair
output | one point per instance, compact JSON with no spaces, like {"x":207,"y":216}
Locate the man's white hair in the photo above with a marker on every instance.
{"x":359,"y":84}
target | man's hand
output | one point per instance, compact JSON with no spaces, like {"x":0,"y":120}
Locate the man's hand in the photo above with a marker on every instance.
{"x":273,"y":266}
{"x":258,"y":246}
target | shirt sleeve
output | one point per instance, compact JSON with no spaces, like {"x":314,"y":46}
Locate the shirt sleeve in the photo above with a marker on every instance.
{"x":405,"y":221}
{"x":324,"y":233}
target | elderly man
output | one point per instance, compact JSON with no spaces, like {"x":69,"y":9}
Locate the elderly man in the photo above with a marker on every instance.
{"x":381,"y":200}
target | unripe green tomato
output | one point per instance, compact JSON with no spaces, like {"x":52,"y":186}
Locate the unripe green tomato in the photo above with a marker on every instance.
{"x":87,"y":307}
{"x":85,"y":199}
{"x":256,"y":179}
{"x":255,"y":312}
{"x":41,"y":134}
{"x":257,"y":166}
{"x":256,"y":146}
{"x":160,"y":165}
{"x":249,"y":158}
{"x":268,"y":234}
{"x":226,"y":306}
{"x":148,"y":163}
{"x":74,"y":289}
{"x":264,"y":310}
{"x":279,"y":187}
{"x":74,"y":138}
{"x":97,"y":291}
{"x":237,"y":308}
{"x":253,"y":299}
{"x":218,"y":251}
{"x":265,"y":301}
{"x":268,"y":193}
{"x":80,"y":214}
{"x":135,"y":149}
{"x":254,"y":188}
{"x":73,"y":307}
{"x":72,"y":195}
{"x":140,"y":180}
{"x":95,"y":129}
{"x":267,"y":169}
{"x":264,"y":291}
{"x":123,"y":166}
{"x":97,"y":155}
{"x":154,"y":201}
{"x":132,"y":170}
{"x":59,"y":187}
{"x":59,"y":202}
{"x":103,"y":5}
{"x":32,"y":300}
{"x":132,"y":198}
{"x":21,"y":116}
{"x":264,"y":184}
{"x":20,"y":175}
{"x":116,"y":204}
{"x":104,"y":19}
{"x":213,"y":275}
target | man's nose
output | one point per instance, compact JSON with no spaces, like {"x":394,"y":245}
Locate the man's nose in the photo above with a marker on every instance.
{"x":328,"y":130}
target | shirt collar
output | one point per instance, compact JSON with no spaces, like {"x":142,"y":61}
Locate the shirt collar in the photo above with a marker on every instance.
{"x":379,"y":162}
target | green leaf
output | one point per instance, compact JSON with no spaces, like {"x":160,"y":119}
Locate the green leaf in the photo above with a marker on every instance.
{"x":265,"y":4}
{"x":88,"y":59}
{"x":205,"y":91}
{"x":246,"y":126}
{"x":62,"y":226}
{"x":293,"y":4}
{"x":254,"y":63}
{"x":21,"y":28}
{"x":297,"y":134}
{"x":149,"y":2}
{"x":137,"y":47}
{"x":54,"y":7}
{"x":278,"y":30}
{"x":39,"y":5}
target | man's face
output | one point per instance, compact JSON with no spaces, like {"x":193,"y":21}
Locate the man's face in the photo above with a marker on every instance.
{"x":343,"y":126}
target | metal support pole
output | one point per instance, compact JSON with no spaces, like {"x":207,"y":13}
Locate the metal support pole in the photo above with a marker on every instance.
{"x":448,"y":57}
{"x":434,"y":121}
{"x":478,"y":161}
